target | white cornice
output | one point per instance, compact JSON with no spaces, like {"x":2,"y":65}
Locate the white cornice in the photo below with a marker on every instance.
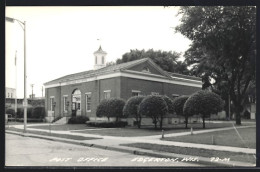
{"x":135,"y":75}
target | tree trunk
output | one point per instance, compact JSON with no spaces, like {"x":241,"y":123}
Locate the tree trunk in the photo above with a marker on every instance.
{"x":155,"y":123}
{"x":239,"y":109}
{"x":238,"y":117}
{"x":186,"y":121}
{"x":139,"y":122}
{"x":108,"y":119}
{"x":203,"y":121}
{"x":161,"y":122}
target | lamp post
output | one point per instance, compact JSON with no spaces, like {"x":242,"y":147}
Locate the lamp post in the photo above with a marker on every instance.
{"x":25,"y":104}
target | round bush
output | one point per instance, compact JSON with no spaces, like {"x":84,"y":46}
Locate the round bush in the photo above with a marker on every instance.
{"x":131,"y":106}
{"x":203,"y":102}
{"x":154,"y":107}
{"x":169,"y":103}
{"x":102,"y":108}
{"x":112,"y":107}
{"x":178,"y":104}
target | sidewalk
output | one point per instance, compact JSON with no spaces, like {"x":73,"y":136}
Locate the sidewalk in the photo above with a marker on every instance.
{"x":113,"y":143}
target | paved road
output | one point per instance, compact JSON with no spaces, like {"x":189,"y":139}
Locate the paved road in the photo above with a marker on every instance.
{"x":27,"y":151}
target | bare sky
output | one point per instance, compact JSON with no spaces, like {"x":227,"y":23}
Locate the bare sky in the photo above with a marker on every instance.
{"x":61,"y":40}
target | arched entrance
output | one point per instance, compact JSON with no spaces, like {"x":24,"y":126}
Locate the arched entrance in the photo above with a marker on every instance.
{"x":76,"y":102}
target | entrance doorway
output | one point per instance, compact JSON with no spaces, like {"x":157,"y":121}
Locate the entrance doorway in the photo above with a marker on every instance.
{"x":76,"y":102}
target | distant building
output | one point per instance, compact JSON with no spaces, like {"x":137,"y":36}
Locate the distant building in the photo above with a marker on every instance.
{"x":10,"y":92}
{"x":80,"y":93}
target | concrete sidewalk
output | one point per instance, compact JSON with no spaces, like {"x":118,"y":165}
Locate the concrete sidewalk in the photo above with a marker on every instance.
{"x":114,"y":143}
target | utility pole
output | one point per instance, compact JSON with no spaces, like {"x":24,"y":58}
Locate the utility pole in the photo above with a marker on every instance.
{"x":32,"y":90}
{"x":42,"y":91}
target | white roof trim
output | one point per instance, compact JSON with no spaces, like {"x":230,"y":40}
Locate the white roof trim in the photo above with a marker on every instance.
{"x":144,"y":76}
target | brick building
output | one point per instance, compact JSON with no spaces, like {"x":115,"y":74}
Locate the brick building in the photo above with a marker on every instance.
{"x":81,"y":93}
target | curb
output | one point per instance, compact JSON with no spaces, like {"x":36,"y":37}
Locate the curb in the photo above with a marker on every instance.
{"x":137,"y":151}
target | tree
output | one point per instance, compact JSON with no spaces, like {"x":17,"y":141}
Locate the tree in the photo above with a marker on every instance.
{"x":204,"y":103}
{"x":169,"y":103}
{"x":223,"y":48}
{"x":154,"y":107}
{"x":178,"y":104}
{"x":131,"y":108}
{"x":112,"y":107}
{"x":168,"y":61}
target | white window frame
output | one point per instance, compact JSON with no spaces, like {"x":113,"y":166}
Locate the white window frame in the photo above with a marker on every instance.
{"x":51,"y":102}
{"x":136,"y":91}
{"x":146,"y":70}
{"x":65,"y":99}
{"x":86,"y":94}
{"x":107,"y":91}
{"x":155,"y":93}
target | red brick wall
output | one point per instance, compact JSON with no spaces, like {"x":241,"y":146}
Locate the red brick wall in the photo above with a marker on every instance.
{"x":119,"y":86}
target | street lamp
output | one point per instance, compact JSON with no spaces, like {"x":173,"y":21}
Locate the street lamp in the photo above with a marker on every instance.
{"x":25,"y":104}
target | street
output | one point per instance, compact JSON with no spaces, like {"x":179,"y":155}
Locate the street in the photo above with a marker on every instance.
{"x":27,"y":151}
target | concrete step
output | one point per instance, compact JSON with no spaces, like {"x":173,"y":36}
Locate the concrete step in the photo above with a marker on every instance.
{"x":63,"y":120}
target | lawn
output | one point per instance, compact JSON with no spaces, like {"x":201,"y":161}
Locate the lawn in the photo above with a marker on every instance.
{"x":223,"y":138}
{"x":234,"y":156}
{"x":66,"y":136}
{"x":65,"y":127}
{"x":149,"y":130}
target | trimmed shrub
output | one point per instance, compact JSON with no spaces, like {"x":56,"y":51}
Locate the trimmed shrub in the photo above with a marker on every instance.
{"x":20,"y":112}
{"x":169,"y":103}
{"x":102,"y":108}
{"x":107,"y":124}
{"x":11,"y":112}
{"x":131,"y":108}
{"x":78,"y":120}
{"x":204,"y":103}
{"x":112,"y":107}
{"x":178,"y":104}
{"x":38,"y":112}
{"x":154,"y":107}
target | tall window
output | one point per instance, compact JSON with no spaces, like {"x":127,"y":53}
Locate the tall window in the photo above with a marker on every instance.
{"x":65,"y":107}
{"x":107,"y":94}
{"x":88,"y":102}
{"x":11,"y":95}
{"x":103,"y":60}
{"x":51,"y":103}
{"x":96,"y":60}
{"x":135,"y":93}
{"x":8,"y":95}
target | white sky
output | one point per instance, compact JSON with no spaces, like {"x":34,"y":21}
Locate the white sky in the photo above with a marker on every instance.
{"x":61,"y":40}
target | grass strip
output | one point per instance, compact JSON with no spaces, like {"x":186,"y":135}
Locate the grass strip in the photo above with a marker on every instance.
{"x":66,"y":136}
{"x":234,"y":156}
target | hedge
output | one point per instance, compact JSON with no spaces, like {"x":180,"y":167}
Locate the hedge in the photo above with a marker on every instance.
{"x":107,"y":124}
{"x":36,"y":112}
{"x":78,"y":120}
